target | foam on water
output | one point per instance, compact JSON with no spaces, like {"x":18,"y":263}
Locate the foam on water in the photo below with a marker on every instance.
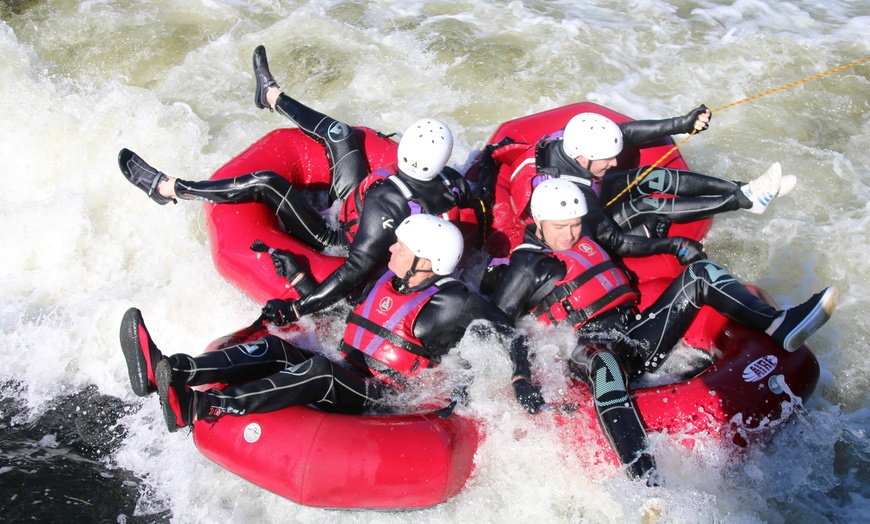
{"x":172,"y":81}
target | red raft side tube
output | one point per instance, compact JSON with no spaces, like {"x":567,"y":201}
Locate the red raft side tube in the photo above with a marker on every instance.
{"x":301,"y":160}
{"x":530,"y":129}
{"x":333,"y":460}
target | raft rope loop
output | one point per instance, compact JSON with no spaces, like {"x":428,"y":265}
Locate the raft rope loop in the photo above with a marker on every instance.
{"x":695,"y":131}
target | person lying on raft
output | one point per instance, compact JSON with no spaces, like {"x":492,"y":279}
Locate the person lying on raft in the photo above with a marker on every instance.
{"x":421,"y":181}
{"x":562,"y":274}
{"x":586,"y":151}
{"x":384,"y":346}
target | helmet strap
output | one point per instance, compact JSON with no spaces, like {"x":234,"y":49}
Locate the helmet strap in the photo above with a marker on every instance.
{"x":404,"y":282}
{"x":539,"y":228}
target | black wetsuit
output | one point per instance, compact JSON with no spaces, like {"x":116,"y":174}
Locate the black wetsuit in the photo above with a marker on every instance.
{"x":278,"y":374}
{"x":348,"y":167}
{"x":637,"y":341}
{"x":384,"y":209}
{"x":700,"y":195}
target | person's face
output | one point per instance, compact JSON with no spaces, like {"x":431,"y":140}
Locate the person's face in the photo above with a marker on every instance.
{"x":401,"y":258}
{"x":598,"y":168}
{"x":559,"y":235}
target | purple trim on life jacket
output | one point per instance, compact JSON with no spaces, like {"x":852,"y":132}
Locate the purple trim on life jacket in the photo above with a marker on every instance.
{"x":367,"y":305}
{"x":556,"y":135}
{"x":415,"y":207}
{"x":396,"y":317}
{"x":596,"y":186}
{"x":538,"y":179}
{"x":587,"y":264}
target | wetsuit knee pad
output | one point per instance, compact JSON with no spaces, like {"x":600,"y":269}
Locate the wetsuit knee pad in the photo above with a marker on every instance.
{"x":601,"y":371}
{"x":608,"y":381}
{"x":708,"y":272}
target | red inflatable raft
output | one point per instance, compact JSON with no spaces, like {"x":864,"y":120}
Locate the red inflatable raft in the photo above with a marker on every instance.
{"x":419,"y":460}
{"x":754,"y":385}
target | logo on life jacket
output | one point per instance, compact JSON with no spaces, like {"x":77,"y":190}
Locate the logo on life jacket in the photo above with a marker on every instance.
{"x":586,"y":248}
{"x":385,"y":304}
{"x":388,"y":223}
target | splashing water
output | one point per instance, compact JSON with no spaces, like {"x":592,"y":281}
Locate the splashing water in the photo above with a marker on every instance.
{"x":172,"y":81}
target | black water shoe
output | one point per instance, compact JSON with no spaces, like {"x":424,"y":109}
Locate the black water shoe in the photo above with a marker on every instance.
{"x":644,"y":468}
{"x":795,"y":325}
{"x":263,"y":77}
{"x":140,"y":353}
{"x":176,"y":399}
{"x":143,"y":176}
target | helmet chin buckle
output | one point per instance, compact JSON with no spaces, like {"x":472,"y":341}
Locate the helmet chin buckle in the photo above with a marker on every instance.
{"x":404,"y":282}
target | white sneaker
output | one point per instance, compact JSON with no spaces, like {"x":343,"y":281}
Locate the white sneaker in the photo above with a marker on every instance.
{"x":788,"y":183}
{"x":764,"y":188}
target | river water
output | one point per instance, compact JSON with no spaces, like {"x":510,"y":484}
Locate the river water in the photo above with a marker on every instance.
{"x":172,"y":81}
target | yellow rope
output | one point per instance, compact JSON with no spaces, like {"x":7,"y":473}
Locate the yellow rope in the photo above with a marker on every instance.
{"x":695,"y":131}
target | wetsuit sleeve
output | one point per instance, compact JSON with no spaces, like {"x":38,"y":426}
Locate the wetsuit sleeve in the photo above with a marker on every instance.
{"x":529,"y":275}
{"x":639,"y":132}
{"x":381,"y":215}
{"x":468,"y":199}
{"x":444,"y":320}
{"x":603,"y":229}
{"x":486,"y":177}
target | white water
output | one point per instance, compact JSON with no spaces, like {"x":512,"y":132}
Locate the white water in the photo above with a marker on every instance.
{"x":172,"y":81}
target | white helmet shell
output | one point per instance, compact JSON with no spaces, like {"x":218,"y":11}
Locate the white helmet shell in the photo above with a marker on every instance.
{"x":557,"y":199}
{"x":434,"y":239}
{"x":425,"y":149}
{"x":593,"y":136}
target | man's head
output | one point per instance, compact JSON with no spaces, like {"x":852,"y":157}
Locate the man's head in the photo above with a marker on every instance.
{"x":593,"y":141}
{"x":425,"y":149}
{"x":425,"y":245}
{"x":557,"y":208}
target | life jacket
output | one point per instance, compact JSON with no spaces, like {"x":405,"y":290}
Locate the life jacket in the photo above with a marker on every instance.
{"x":352,"y":206}
{"x":380,"y":337}
{"x":593,"y":284}
{"x":351,"y":209}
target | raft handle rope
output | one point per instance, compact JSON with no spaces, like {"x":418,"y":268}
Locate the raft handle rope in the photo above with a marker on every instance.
{"x":655,"y":164}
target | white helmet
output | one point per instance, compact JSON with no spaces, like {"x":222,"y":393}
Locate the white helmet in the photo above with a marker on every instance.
{"x":425,"y":149}
{"x":557,"y":199}
{"x":591,"y":135}
{"x":432,"y":238}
